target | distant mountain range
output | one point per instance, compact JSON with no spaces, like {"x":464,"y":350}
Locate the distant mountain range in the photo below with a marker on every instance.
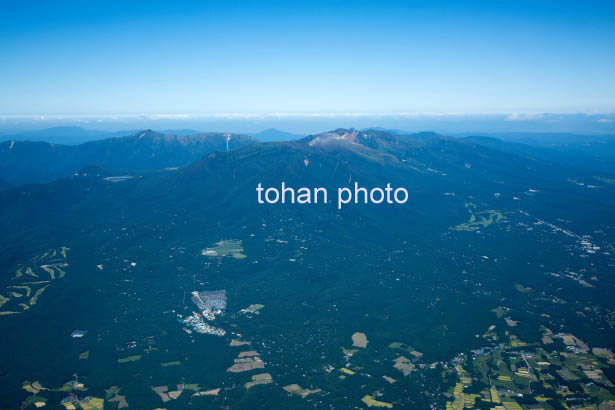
{"x":220,"y":182}
{"x":62,"y":135}
{"x":24,"y":162}
{"x":592,"y":153}
{"x":77,"y":135}
{"x":273,"y":134}
{"x":71,"y":135}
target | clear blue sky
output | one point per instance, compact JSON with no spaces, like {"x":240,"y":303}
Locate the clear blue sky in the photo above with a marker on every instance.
{"x":200,"y":57}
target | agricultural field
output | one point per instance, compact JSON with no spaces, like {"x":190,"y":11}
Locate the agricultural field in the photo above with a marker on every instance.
{"x":227,"y":248}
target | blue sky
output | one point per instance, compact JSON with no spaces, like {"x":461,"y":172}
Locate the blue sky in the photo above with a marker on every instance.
{"x":380,"y":57}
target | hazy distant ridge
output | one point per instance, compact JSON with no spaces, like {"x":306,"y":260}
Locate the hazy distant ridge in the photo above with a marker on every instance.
{"x":24,"y":162}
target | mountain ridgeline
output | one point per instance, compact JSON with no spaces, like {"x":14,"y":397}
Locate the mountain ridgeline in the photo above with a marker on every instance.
{"x":23,"y":162}
{"x":223,"y":183}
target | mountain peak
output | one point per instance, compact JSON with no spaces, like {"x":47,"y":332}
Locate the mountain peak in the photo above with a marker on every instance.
{"x":148,"y":133}
{"x":336,"y":136}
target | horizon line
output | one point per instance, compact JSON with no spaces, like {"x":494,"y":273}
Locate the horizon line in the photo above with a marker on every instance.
{"x":511,"y":116}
